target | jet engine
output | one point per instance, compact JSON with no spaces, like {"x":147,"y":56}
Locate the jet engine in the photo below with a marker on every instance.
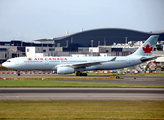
{"x":65,"y":70}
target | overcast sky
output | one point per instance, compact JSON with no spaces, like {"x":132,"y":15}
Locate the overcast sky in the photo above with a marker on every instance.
{"x":33,"y":19}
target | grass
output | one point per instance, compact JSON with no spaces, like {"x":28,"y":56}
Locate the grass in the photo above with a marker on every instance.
{"x":39,"y":83}
{"x":97,"y":110}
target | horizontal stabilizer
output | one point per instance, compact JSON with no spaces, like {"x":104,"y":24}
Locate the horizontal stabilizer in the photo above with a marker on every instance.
{"x":144,"y":59}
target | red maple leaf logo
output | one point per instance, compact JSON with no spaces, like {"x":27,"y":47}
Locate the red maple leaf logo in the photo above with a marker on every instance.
{"x":147,"y":49}
{"x":29,"y":58}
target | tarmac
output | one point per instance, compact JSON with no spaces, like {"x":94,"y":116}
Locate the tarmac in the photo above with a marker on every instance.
{"x":81,"y":94}
{"x":138,"y":80}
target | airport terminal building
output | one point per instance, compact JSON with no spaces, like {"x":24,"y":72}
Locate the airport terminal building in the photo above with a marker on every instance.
{"x":102,"y":37}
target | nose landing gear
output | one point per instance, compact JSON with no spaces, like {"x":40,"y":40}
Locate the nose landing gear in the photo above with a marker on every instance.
{"x":78,"y":73}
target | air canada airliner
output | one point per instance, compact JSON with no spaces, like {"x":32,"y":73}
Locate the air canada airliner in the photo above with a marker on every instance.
{"x":68,"y":65}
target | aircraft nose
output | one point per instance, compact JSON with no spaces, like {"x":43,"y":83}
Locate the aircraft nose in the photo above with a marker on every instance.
{"x":4,"y":64}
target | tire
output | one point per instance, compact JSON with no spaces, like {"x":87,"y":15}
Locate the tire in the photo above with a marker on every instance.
{"x":84,"y":74}
{"x":77,"y":74}
{"x":80,"y":74}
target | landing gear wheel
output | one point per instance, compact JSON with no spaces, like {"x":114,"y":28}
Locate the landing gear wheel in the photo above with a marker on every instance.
{"x":78,"y":73}
{"x":84,"y":74}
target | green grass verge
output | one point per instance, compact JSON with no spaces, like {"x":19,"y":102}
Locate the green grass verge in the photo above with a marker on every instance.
{"x":68,"y":110}
{"x":39,"y":83}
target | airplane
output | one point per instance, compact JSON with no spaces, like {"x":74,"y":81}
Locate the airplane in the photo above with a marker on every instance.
{"x":68,"y":65}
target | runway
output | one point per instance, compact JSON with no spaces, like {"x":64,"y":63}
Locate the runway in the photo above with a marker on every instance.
{"x":82,"y":94}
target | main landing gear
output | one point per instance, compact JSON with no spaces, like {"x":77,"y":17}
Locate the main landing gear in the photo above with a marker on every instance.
{"x":78,"y":73}
{"x":18,"y":72}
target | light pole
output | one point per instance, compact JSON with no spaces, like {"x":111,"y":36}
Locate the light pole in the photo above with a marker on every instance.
{"x":98,"y":43}
{"x":67,"y":43}
{"x":92,"y":43}
{"x":71,"y":40}
{"x":104,"y":42}
{"x":92,"y":48}
{"x":126,"y":40}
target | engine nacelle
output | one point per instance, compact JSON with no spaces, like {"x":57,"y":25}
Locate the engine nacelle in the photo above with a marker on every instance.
{"x":65,"y":70}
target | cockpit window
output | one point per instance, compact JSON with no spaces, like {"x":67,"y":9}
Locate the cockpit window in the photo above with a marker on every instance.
{"x":8,"y":61}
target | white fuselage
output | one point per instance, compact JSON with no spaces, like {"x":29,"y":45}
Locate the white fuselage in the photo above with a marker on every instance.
{"x":50,"y":63}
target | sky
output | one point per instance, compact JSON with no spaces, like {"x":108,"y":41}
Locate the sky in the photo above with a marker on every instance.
{"x":29,"y":20}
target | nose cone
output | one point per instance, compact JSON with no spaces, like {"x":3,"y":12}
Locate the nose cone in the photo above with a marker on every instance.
{"x":4,"y":65}
{"x":7,"y":65}
{"x":10,"y":65}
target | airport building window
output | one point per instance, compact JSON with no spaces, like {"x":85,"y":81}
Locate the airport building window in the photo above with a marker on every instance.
{"x":14,"y":55}
{"x":51,"y":49}
{"x":44,"y":50}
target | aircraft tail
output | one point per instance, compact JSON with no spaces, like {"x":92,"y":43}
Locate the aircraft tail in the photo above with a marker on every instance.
{"x":147,"y":47}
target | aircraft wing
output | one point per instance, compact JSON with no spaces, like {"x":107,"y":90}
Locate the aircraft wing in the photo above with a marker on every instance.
{"x":144,"y":59}
{"x":86,"y":64}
